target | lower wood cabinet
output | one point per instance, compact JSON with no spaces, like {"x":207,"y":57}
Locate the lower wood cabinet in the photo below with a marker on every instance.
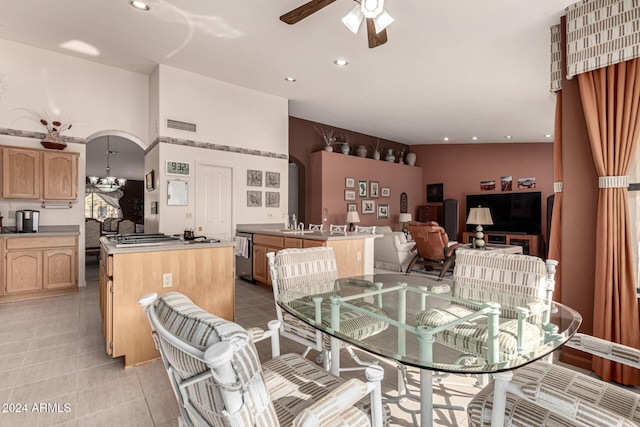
{"x":39,"y":266}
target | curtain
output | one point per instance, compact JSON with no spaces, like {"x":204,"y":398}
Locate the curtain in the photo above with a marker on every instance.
{"x":611,"y":104}
{"x":555,"y":242}
{"x":111,"y":198}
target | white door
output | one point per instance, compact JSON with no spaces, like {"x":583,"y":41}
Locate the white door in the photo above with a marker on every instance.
{"x":213,"y":201}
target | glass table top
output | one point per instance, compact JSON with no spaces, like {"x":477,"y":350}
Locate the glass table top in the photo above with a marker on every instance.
{"x":402,"y":299}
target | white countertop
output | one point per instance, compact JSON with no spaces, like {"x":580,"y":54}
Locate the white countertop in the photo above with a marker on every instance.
{"x":306,"y":234}
{"x":165,"y":246}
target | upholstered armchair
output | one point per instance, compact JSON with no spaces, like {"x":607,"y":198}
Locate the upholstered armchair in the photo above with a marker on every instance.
{"x":92,"y":236}
{"x":218,"y":379}
{"x":292,"y":269}
{"x":431,"y":246}
{"x":522,"y":285}
{"x":126,"y":226}
{"x":391,"y":251}
{"x":543,"y":394}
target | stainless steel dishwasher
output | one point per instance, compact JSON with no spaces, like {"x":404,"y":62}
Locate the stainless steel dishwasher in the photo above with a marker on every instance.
{"x":244,"y":266}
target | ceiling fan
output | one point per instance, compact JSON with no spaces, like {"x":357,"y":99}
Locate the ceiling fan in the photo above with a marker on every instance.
{"x":373,"y":10}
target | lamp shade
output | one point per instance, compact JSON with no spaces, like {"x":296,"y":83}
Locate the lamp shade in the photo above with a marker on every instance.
{"x":479,"y":216}
{"x":353,"y":217}
{"x":404,"y":217}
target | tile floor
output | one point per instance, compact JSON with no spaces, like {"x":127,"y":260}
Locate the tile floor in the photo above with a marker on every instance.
{"x":54,"y":370}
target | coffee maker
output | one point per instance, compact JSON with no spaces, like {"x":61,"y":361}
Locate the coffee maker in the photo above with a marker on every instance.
{"x":27,"y":221}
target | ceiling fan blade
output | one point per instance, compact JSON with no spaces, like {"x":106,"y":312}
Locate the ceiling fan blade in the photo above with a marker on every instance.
{"x":375,"y":40}
{"x":305,"y":10}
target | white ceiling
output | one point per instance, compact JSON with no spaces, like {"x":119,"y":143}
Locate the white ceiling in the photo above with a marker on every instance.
{"x":456,"y":68}
{"x":127,"y":161}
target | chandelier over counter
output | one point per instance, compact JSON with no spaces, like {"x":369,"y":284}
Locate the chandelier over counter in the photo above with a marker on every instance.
{"x":108,"y":183}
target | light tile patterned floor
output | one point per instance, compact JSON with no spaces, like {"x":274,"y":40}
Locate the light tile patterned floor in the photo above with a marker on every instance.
{"x":52,"y":352}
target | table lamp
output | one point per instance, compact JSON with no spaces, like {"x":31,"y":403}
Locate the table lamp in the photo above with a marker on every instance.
{"x":404,"y":218}
{"x":352,"y":217}
{"x":479,"y":216}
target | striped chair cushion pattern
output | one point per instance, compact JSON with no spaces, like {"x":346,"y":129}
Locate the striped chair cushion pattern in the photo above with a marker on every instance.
{"x":471,"y":337}
{"x":200,"y":329}
{"x":297,"y":268}
{"x":567,"y":398}
{"x":295,"y":383}
{"x":508,"y":279}
{"x":617,"y":351}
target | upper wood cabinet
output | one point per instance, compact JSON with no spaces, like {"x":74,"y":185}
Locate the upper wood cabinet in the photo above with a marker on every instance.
{"x":60,"y":173}
{"x":32,"y":174}
{"x":21,"y":173}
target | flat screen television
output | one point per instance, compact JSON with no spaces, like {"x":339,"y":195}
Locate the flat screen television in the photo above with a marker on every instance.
{"x":512,"y":213}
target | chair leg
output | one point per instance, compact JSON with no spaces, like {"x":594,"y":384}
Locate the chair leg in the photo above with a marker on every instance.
{"x":447,"y":264}
{"x":412,"y":263}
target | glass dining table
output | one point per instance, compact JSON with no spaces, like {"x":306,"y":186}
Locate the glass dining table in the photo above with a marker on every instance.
{"x":403,"y":298}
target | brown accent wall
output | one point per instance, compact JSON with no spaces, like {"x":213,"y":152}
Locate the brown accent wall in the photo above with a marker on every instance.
{"x":132,"y":201}
{"x":304,"y":140}
{"x":328,"y":173}
{"x":461,"y":167}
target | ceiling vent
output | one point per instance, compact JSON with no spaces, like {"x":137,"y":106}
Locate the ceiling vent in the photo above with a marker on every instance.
{"x":178,"y":125}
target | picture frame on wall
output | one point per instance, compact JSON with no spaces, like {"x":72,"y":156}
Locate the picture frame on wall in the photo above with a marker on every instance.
{"x":272,"y":199}
{"x":349,"y":194}
{"x":352,"y":207}
{"x":254,"y":199}
{"x":383,"y":211}
{"x":254,"y":178}
{"x":362,"y":188}
{"x":385,"y":192}
{"x":374,"y":189}
{"x":368,"y":207}
{"x":272,"y":179}
{"x":149,"y":180}
{"x":349,"y":182}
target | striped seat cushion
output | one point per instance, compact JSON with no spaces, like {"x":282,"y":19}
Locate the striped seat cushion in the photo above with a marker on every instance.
{"x":563,"y":398}
{"x":295,"y":383}
{"x":200,"y":329}
{"x":471,"y":337}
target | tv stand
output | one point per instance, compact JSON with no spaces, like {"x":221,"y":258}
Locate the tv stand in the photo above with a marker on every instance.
{"x":531,"y":243}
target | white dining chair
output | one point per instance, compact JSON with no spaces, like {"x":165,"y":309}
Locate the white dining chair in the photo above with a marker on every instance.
{"x":338,"y":229}
{"x":365,"y":230}
{"x":315,"y":227}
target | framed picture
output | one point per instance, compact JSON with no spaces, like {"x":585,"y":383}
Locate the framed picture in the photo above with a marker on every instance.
{"x":349,"y":194}
{"x":385,"y":192}
{"x":368,"y":207}
{"x":352,"y":207}
{"x":349,"y":182}
{"x":254,"y":199}
{"x":435,"y":193}
{"x":149,"y":181}
{"x":272,"y":199}
{"x":254,"y":178}
{"x":272,"y":179}
{"x":383,"y":211}
{"x":362,"y":188}
{"x":374,"y":189}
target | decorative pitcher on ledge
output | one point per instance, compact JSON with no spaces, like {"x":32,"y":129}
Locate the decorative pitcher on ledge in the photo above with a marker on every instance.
{"x":390,"y":157}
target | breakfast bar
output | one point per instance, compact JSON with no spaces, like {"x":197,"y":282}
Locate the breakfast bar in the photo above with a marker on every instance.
{"x":203,"y":270}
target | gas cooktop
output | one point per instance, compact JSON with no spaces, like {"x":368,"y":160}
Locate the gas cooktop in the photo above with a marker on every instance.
{"x":134,"y":240}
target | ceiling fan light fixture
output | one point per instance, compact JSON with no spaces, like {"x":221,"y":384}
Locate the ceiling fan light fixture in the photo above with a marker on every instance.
{"x":354,"y":19}
{"x":372,"y":8}
{"x":382,"y":21}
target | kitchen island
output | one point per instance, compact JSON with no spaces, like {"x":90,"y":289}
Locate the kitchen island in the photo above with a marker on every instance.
{"x":202,"y":271}
{"x":353,"y":251}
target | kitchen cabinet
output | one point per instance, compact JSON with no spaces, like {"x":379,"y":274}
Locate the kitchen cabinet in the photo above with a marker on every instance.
{"x":32,"y":174}
{"x":202,"y":272}
{"x":38,"y":266}
{"x":262,"y":245}
{"x":531,"y":243}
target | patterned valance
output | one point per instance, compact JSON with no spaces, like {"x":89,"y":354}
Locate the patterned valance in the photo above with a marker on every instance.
{"x":556,"y":58}
{"x":601,"y":33}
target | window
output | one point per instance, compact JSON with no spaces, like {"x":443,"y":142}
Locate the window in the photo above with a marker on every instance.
{"x":96,"y":207}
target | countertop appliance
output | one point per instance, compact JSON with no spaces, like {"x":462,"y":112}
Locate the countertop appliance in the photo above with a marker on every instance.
{"x":27,"y":221}
{"x":141,"y":239}
{"x":244,"y":265}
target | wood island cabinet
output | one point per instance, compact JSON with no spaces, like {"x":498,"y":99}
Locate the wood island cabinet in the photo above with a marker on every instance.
{"x":33,"y":174}
{"x":39,"y":266}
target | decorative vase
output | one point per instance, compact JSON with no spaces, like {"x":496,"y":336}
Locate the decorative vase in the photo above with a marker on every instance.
{"x":54,"y":141}
{"x":411,"y":159}
{"x":375,"y":155}
{"x":362,"y":151}
{"x":345,"y":148}
{"x":390,"y":157}
{"x":400,"y":159}
{"x":328,"y":148}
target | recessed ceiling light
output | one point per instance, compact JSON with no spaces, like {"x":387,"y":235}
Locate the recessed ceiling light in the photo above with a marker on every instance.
{"x":548,"y":136}
{"x":290,"y":79}
{"x":475,"y":138}
{"x":446,"y":138}
{"x":139,"y":5}
{"x":508,"y":137}
{"x":341,"y":62}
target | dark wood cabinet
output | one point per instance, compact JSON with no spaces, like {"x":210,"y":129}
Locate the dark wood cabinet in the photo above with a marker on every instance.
{"x":431,"y":212}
